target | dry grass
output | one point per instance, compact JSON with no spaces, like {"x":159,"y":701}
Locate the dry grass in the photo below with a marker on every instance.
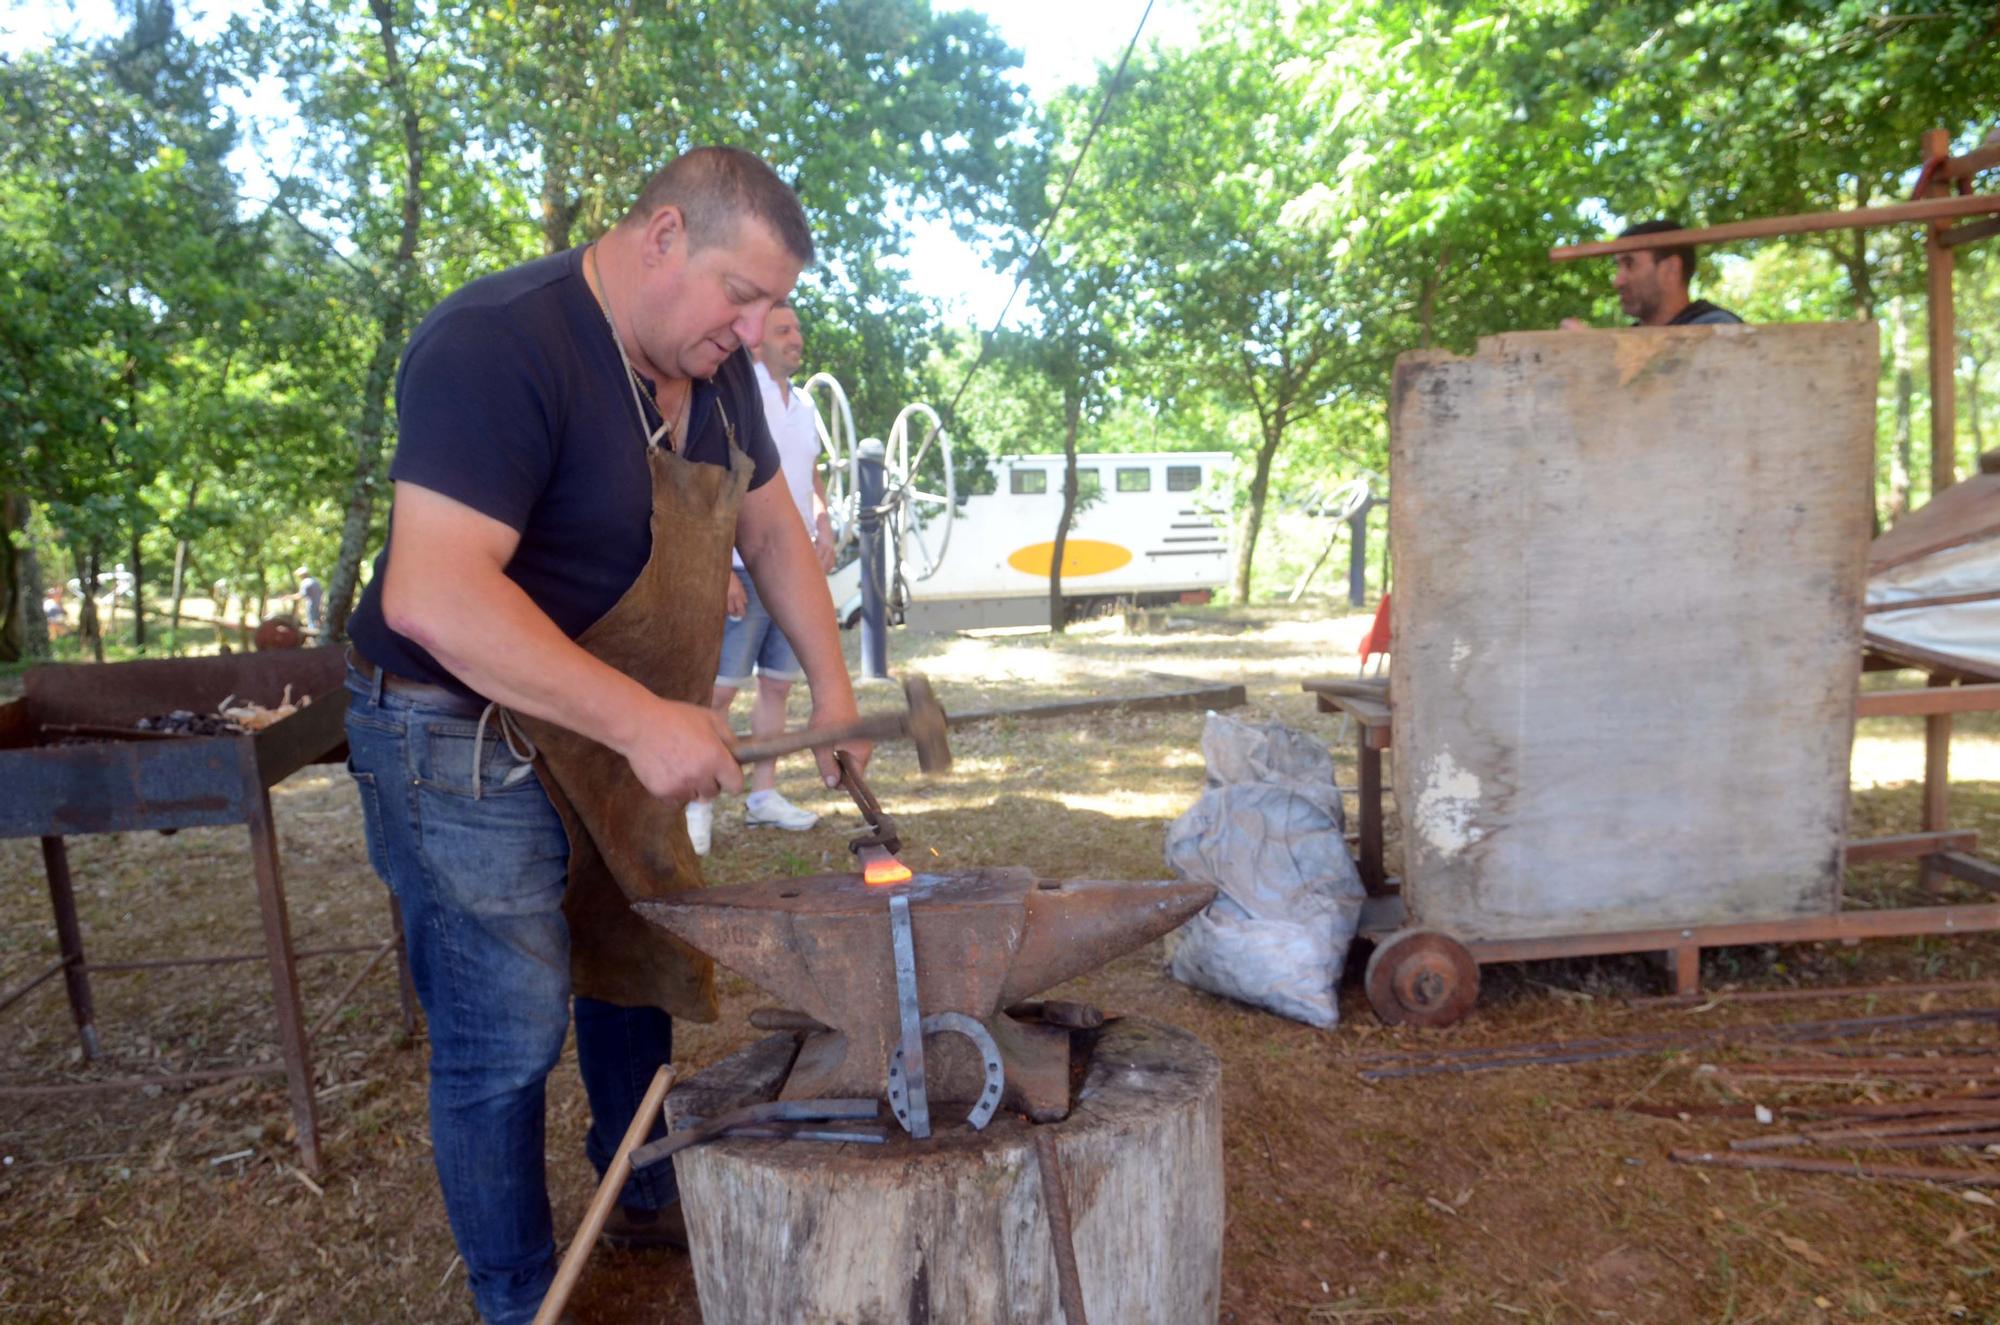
{"x":1498,"y":1196}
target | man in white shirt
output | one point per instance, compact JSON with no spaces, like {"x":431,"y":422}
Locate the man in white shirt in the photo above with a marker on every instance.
{"x":750,"y":642}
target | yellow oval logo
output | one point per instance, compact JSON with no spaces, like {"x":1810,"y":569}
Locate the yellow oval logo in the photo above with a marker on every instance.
{"x":1081,"y":556}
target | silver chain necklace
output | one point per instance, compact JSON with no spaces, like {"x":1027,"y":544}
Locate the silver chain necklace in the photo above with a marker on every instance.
{"x":632,"y":379}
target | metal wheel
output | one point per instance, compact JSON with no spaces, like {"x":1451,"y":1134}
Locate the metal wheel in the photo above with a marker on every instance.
{"x":922,"y":489}
{"x":1418,"y":977}
{"x":835,"y":422}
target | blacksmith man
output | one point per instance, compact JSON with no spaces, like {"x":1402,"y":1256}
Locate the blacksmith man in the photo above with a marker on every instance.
{"x":582,"y":443}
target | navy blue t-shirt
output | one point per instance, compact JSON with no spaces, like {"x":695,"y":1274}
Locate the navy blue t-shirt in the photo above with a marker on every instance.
{"x":512,"y":400}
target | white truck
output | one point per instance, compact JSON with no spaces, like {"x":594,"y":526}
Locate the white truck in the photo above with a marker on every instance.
{"x":1151,"y":529}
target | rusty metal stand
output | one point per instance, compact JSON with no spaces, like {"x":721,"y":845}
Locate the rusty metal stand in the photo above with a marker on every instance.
{"x":169,"y":783}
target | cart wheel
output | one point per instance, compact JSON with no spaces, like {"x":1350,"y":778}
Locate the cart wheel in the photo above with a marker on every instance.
{"x":1421,"y":978}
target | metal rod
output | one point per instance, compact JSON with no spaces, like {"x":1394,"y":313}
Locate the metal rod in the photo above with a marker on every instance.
{"x":135,"y":1083}
{"x":1846,"y":1168}
{"x":1804,"y":995}
{"x":69,"y":941}
{"x":54,"y":969}
{"x":916,"y":1100}
{"x":1069,"y":1285}
{"x":1833,"y":1136}
{"x":276,"y":916}
{"x":1502,"y":1056}
{"x":225,"y":959}
{"x":347,"y":992}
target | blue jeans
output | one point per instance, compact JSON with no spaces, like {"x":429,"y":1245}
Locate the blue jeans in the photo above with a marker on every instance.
{"x":480,"y":880}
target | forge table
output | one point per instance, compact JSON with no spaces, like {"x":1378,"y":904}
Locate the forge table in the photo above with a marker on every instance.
{"x":62,"y":781}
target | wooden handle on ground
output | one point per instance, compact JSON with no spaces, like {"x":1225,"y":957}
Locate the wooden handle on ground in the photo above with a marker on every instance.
{"x":571,"y":1268}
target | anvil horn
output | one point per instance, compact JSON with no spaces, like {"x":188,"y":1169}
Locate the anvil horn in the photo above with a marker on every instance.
{"x":1082,"y":924}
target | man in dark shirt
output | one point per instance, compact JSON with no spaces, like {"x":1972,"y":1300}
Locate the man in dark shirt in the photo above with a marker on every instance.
{"x":1652,"y":285}
{"x":575,"y":435}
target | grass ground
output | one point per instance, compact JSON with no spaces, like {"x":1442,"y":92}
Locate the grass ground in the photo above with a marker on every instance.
{"x":1501,"y":1196}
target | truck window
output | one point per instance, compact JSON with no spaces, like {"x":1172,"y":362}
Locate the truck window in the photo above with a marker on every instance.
{"x":1027,"y":482}
{"x":1183,"y":478}
{"x":1135,"y":480}
{"x":1088,"y":484}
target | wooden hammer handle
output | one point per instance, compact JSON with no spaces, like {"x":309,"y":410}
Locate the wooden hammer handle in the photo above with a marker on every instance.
{"x":607,"y":1195}
{"x":880,"y":727}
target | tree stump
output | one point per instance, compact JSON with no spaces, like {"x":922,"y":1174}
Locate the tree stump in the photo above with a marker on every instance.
{"x":955,"y":1229}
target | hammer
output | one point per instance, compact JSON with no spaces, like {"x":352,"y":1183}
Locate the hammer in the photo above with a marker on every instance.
{"x":923,"y":722}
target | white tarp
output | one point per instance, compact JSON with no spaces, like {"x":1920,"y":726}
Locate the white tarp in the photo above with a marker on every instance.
{"x":1967,"y":632}
{"x":1268,"y":832}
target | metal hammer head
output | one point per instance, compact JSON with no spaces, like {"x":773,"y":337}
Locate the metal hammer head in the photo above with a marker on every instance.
{"x":926,"y":725}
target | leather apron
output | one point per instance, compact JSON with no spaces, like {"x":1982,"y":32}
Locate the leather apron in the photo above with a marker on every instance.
{"x":625,"y":843}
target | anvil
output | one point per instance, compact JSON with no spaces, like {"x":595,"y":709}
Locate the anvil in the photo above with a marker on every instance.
{"x":985,"y":939}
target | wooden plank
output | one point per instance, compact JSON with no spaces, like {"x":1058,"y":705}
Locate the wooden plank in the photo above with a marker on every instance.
{"x":1961,"y":235}
{"x":1569,"y":755}
{"x":1981,"y":873}
{"x":1855,"y":218}
{"x":1164,"y":701}
{"x":1904,"y":846}
{"x":1364,"y":687}
{"x":1900,"y":923}
{"x":1931,"y":700}
{"x":1984,"y":157}
{"x":1960,"y":514}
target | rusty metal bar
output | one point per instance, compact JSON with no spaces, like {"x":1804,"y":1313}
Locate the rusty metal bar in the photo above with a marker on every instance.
{"x":69,"y":941}
{"x":54,"y":969}
{"x":278,"y":946}
{"x":347,"y":991}
{"x":1069,"y":1285}
{"x":1387,"y":1067}
{"x":1802,"y":995}
{"x":225,"y":959}
{"x":1834,"y":1136}
{"x":1846,"y":1168}
{"x":135,"y":1083}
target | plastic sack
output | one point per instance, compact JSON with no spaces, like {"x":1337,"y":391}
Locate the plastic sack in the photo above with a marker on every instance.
{"x":1268,"y":832}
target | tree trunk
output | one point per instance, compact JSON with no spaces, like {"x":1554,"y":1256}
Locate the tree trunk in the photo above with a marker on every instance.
{"x":957,"y":1227}
{"x":388,"y":342}
{"x":14,"y":603}
{"x":559,"y":211}
{"x":1899,"y":451}
{"x":180,"y":585}
{"x":35,"y":636}
{"x":138,"y":596}
{"x":88,"y":631}
{"x":1072,"y":415}
{"x":1253,"y":514}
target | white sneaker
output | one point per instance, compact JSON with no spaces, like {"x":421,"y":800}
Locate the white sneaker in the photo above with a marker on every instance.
{"x":768,"y":809}
{"x":701,"y":825}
